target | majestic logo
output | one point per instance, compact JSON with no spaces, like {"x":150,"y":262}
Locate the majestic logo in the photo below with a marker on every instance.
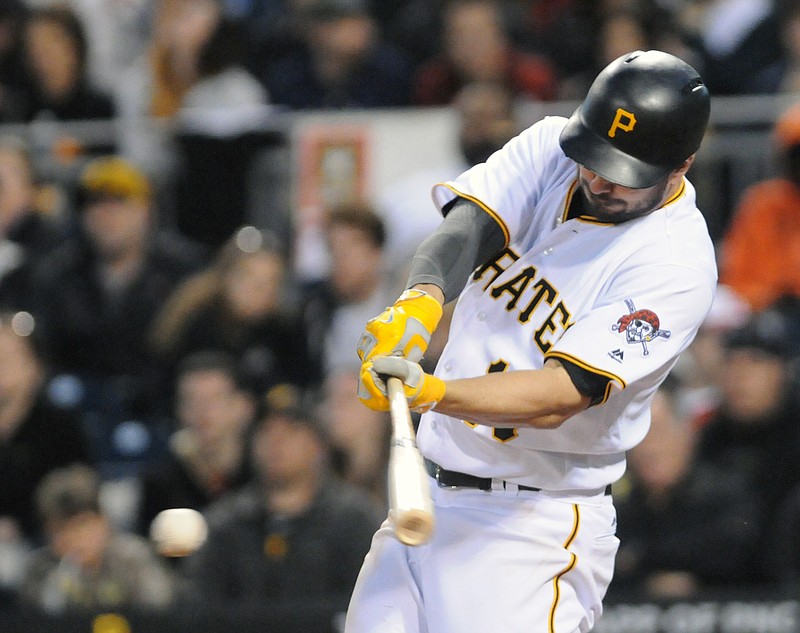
{"x":617,"y":354}
{"x":640,"y":326}
{"x":623,"y":120}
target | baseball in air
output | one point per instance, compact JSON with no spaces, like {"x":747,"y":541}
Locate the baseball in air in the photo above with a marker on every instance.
{"x":178,"y":531}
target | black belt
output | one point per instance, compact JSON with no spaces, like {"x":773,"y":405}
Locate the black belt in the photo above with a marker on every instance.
{"x":453,"y":479}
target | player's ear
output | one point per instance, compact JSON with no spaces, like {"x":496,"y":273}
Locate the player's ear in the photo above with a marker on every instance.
{"x":684,"y":166}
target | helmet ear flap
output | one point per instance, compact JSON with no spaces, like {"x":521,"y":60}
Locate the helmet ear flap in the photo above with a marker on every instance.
{"x":644,"y":115}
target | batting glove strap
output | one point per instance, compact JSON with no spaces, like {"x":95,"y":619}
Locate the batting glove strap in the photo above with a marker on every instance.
{"x":423,"y":391}
{"x":403,"y":329}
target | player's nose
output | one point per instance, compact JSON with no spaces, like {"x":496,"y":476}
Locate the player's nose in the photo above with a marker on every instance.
{"x":598,"y":184}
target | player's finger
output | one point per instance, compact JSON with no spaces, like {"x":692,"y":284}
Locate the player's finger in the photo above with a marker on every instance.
{"x":372,"y":391}
{"x":397,"y":367}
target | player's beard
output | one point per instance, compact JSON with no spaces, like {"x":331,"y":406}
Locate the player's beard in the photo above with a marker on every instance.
{"x":607,"y":208}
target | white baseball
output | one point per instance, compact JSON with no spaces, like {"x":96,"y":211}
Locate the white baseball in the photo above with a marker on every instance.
{"x":178,"y":531}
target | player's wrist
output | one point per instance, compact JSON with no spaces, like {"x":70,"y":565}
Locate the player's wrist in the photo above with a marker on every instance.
{"x":431,"y":393}
{"x":431,"y":290}
{"x":421,"y":305}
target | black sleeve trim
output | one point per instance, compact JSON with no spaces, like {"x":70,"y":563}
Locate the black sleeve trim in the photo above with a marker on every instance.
{"x":448,"y":206}
{"x":590,"y":381}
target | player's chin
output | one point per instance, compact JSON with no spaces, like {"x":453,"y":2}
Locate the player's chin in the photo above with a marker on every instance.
{"x":611,"y":212}
{"x":618,"y":212}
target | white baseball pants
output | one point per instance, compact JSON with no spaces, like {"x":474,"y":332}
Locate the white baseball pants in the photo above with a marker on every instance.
{"x":500,"y":561}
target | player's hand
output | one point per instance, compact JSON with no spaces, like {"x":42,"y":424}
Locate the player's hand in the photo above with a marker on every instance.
{"x":403,"y":329}
{"x":423,"y":391}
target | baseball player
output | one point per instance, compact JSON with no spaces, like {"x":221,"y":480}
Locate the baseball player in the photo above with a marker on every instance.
{"x":582,"y":269}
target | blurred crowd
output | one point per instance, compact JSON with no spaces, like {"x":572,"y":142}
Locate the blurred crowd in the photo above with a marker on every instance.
{"x":160,"y":347}
{"x":88,"y":59}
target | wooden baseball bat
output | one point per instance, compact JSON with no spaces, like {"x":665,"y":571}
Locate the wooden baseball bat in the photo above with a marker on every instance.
{"x":410,"y":505}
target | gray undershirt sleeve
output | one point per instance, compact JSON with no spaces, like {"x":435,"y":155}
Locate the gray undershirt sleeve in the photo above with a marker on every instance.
{"x":466,"y":238}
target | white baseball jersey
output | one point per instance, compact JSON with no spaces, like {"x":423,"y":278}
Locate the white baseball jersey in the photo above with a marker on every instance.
{"x":619,"y":300}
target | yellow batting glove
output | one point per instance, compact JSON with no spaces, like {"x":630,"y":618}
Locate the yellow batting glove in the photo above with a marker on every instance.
{"x":423,"y":391}
{"x":403,"y":329}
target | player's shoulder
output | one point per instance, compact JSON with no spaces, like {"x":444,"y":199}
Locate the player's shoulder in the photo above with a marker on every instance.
{"x":546,"y":130}
{"x":539,"y":146}
{"x":678,"y":234}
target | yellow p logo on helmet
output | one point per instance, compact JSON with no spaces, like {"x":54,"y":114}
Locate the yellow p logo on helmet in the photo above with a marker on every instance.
{"x":623,"y":120}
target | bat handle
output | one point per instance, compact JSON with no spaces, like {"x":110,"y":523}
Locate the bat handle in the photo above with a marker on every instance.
{"x":402,"y":424}
{"x":412,"y":510}
{"x":397,"y":398}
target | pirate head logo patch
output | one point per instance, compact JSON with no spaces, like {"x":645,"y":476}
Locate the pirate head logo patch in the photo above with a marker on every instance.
{"x":640,"y":327}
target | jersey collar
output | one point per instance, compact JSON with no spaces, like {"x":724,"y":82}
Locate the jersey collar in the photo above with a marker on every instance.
{"x":565,"y":214}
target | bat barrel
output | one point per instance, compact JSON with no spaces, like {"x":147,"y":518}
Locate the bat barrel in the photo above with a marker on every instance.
{"x":414,"y":527}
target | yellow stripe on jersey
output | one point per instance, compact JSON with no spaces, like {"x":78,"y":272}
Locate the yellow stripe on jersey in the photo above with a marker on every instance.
{"x":568,"y":200}
{"x":488,"y":210}
{"x":590,"y":220}
{"x":551,"y":625}
{"x":681,"y":190}
{"x":584,"y":365}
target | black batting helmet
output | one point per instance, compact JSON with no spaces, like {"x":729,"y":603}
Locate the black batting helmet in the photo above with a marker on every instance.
{"x":645,"y":113}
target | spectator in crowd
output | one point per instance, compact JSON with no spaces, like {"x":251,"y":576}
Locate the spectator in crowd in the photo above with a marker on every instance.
{"x":782,"y":75}
{"x":116,"y":34}
{"x":760,"y":250}
{"x":151,"y":90}
{"x":223,"y":83}
{"x":542,"y":26}
{"x":55,"y":56}
{"x":274,"y":28}
{"x":476,"y":47}
{"x":702,"y":365}
{"x":26,"y":232}
{"x":486,"y":121}
{"x":754,"y":431}
{"x":685,"y":523}
{"x":359,"y":437}
{"x":344,"y":62}
{"x":37,"y":433}
{"x":627,"y":26}
{"x":617,"y":31}
{"x":208,"y":455}
{"x":623,"y":26}
{"x":170,"y":64}
{"x":290,"y":544}
{"x":221,"y":127}
{"x":412,"y":25}
{"x":87,"y":564}
{"x":241,"y":304}
{"x":739,"y":40}
{"x":622,"y":31}
{"x":335,"y":308}
{"x":98,"y":293}
{"x":783,"y":549}
{"x":12,"y":92}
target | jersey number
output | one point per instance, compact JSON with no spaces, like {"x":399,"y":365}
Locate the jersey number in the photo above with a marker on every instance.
{"x":499,"y":433}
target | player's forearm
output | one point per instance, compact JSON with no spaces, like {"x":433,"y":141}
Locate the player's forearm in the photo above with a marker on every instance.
{"x":531,"y":398}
